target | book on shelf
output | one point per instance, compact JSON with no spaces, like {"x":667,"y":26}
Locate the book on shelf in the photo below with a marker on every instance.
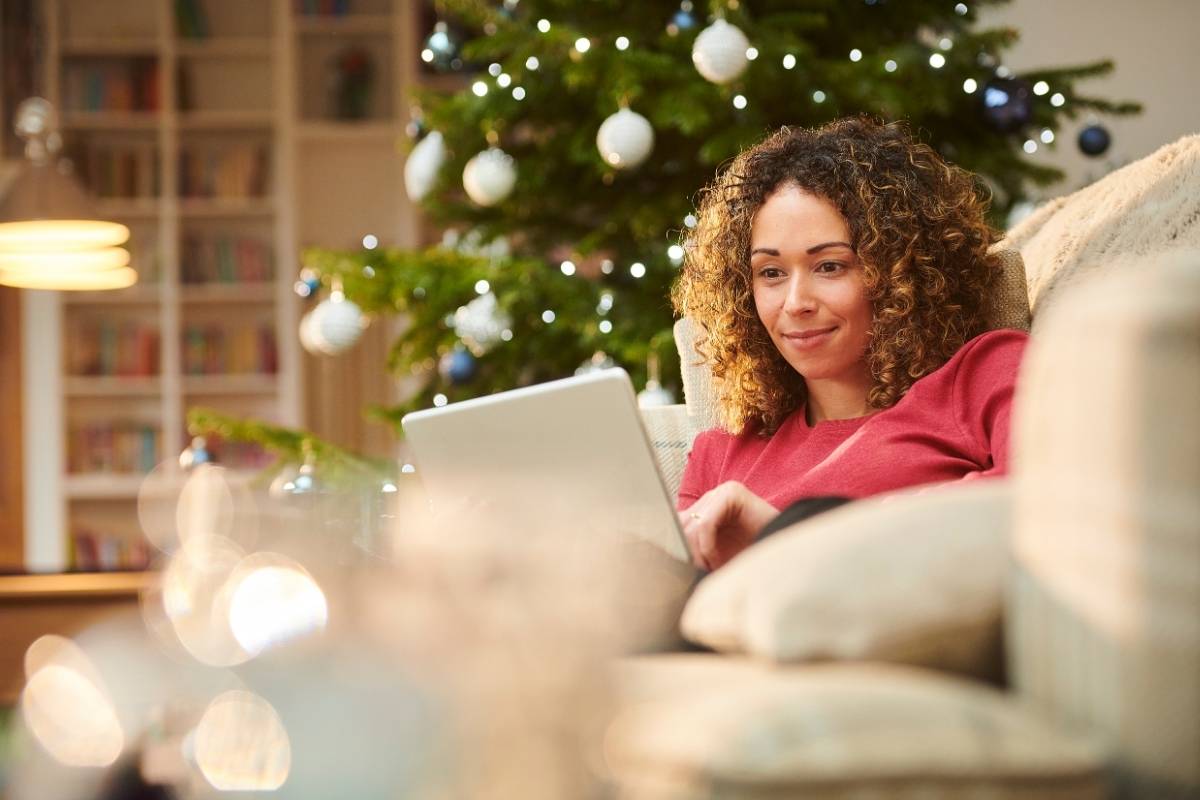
{"x":125,"y":170}
{"x":327,"y":8}
{"x":94,"y":550}
{"x":117,"y":447}
{"x":122,"y":84}
{"x":108,"y":348}
{"x":190,"y":20}
{"x":221,"y":350}
{"x":144,"y":256}
{"x":231,"y":171}
{"x":225,"y":259}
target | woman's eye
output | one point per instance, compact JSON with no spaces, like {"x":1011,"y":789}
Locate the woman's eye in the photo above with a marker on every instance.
{"x":830,"y":266}
{"x":770,"y":272}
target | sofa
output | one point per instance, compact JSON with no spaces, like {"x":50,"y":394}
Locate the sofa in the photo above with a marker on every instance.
{"x":1036,"y":636}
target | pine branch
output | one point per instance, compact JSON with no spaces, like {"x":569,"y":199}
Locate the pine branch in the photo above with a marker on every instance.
{"x":287,"y":444}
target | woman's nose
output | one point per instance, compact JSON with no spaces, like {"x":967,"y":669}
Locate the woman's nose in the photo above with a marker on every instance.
{"x":799,"y":299}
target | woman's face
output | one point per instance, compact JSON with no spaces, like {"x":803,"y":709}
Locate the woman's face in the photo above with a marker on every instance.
{"x":808,"y":286}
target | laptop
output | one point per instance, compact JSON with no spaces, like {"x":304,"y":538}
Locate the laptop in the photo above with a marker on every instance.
{"x":570,"y":455}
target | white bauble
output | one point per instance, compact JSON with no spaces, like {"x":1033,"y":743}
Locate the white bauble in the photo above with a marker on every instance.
{"x":719,"y":52}
{"x":481,"y":323}
{"x":332,"y":327}
{"x":489,"y":176}
{"x":308,"y":335}
{"x":625,"y":139}
{"x":421,"y":168}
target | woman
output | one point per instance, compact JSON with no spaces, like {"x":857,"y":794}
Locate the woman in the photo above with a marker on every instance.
{"x":841,"y":278}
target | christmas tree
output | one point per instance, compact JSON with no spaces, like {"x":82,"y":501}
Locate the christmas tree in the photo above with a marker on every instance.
{"x":566,"y":166}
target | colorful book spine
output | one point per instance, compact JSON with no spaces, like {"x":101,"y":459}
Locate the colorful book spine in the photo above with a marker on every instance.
{"x":120,"y":447}
{"x":106,"y":348}
{"x":232,"y":172}
{"x":225,"y":259}
{"x":220,"y":350}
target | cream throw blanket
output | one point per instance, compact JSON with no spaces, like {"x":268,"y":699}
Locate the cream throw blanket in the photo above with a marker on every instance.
{"x":1147,"y":208}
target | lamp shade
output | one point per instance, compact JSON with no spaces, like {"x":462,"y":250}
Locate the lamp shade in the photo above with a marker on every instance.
{"x":50,"y":234}
{"x":83,"y":281}
{"x":45,"y":209}
{"x":63,"y":262}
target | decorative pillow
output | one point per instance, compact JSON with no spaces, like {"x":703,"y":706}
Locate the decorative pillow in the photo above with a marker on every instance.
{"x":707,"y":726}
{"x":1009,"y":309}
{"x":1146,"y":208}
{"x":914,"y":577}
{"x":1010,"y":304}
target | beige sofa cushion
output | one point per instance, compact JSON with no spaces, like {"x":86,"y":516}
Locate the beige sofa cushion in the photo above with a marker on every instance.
{"x":914,"y":577}
{"x":1149,"y":207}
{"x":1104,"y":609}
{"x":1009,"y":309}
{"x":706,"y":726}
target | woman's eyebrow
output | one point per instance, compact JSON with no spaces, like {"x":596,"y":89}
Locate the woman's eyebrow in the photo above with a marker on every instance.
{"x":818,"y":247}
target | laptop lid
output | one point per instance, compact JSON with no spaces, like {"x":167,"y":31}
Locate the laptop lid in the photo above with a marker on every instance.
{"x":570,"y":454}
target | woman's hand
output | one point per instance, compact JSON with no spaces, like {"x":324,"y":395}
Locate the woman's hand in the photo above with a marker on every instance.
{"x":723,"y":523}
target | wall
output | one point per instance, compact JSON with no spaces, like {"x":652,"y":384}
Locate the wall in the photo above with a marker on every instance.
{"x":1154,"y":46}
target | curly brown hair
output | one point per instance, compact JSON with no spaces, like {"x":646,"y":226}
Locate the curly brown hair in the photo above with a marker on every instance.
{"x":917,"y":225}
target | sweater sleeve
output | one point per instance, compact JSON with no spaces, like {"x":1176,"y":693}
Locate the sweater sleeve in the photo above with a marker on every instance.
{"x":984,"y":385}
{"x":703,"y":465}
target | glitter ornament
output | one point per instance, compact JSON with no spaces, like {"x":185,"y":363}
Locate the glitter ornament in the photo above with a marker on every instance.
{"x":481,"y":323}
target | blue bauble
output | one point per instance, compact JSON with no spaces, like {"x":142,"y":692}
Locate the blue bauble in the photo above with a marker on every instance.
{"x":307,"y":285}
{"x":441,"y":48}
{"x":457,"y":366}
{"x":1007,"y":104}
{"x":682,"y":20}
{"x":1094,"y":140}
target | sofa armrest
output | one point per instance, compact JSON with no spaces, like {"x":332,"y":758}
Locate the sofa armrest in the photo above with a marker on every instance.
{"x":671,"y":432}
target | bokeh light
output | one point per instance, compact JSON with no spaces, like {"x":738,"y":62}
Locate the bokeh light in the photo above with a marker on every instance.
{"x":195,"y":602}
{"x":273,"y":600}
{"x":66,"y":706}
{"x":240,"y":744}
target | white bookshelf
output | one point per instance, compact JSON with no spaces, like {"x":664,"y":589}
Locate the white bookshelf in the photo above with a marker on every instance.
{"x":236,"y":80}
{"x":331,"y":182}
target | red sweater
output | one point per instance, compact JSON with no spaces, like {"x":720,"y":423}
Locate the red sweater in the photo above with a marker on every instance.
{"x":952,"y":424}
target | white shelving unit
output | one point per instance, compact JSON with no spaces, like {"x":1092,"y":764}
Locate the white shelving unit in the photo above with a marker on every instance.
{"x":259,"y":77}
